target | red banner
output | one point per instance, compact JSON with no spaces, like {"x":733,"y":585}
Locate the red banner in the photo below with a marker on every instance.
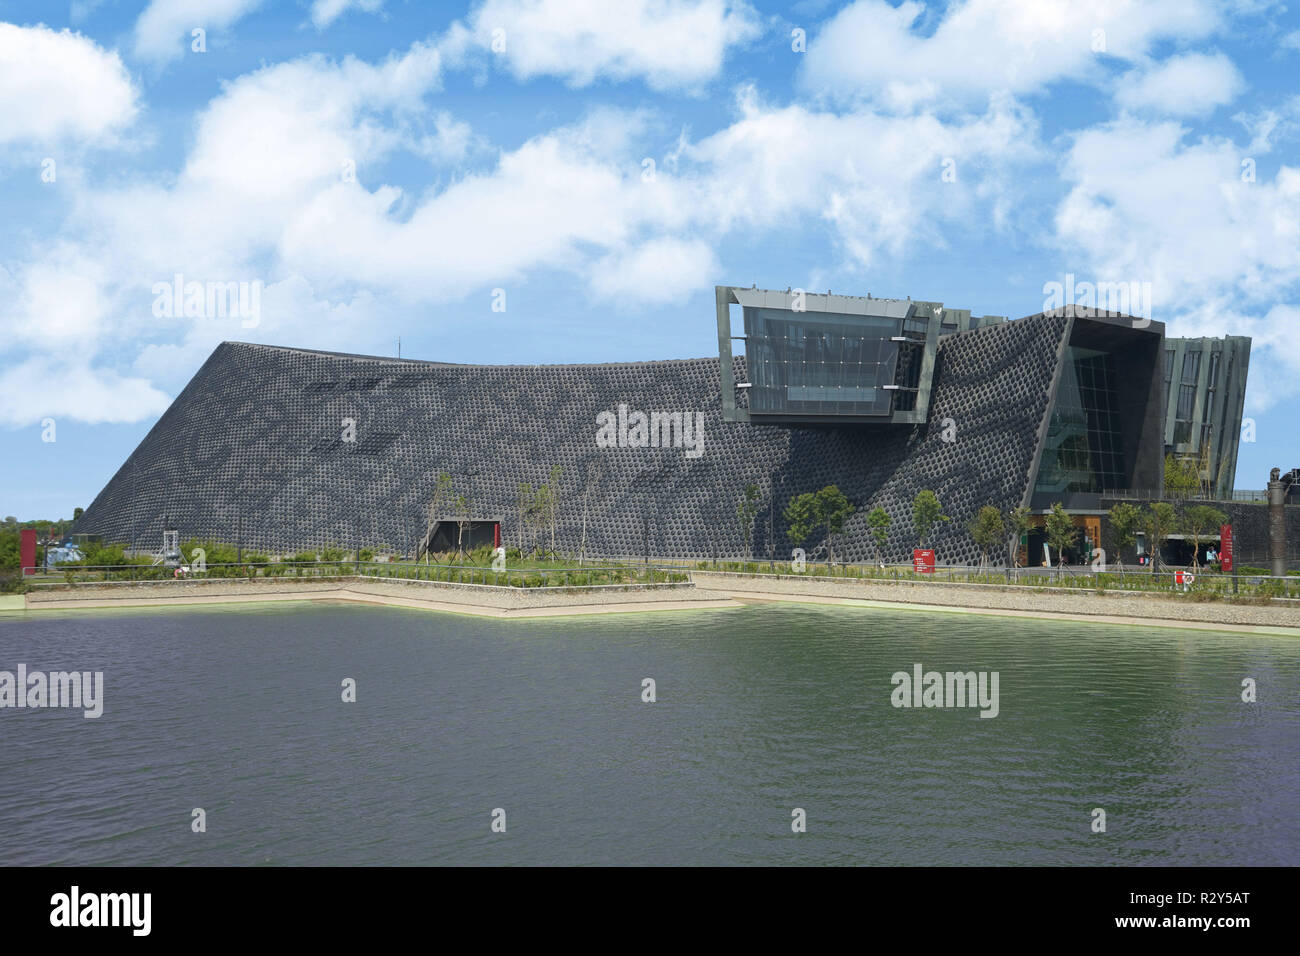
{"x":27,"y":550}
{"x":923,"y":560}
{"x":1225,"y":547}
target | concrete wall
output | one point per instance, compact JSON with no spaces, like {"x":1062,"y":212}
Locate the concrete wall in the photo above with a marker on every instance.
{"x":1249,"y":522}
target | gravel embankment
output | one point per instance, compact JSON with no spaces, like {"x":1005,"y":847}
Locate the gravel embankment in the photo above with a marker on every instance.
{"x":411,"y":593}
{"x":1044,"y":601}
{"x":709,"y":589}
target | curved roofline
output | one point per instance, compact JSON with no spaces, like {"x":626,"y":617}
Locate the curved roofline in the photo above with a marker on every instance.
{"x":461,"y":365}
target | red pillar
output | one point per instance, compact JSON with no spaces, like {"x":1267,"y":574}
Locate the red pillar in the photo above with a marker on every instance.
{"x":27,"y":550}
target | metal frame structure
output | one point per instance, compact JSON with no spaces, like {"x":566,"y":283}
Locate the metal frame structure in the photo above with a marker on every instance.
{"x":1220,"y":377}
{"x":939,"y":322}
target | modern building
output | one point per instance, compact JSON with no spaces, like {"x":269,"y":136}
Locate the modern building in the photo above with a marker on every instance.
{"x":281,"y":449}
{"x":1205,"y":388}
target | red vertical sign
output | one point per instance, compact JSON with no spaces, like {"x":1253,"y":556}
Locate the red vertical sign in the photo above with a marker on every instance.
{"x":923,"y":560}
{"x":27,"y":550}
{"x":1225,"y":547}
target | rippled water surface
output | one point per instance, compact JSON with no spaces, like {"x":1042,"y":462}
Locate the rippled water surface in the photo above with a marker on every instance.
{"x":760,"y":710}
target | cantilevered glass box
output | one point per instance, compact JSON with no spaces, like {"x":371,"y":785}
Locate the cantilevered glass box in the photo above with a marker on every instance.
{"x":834,"y":358}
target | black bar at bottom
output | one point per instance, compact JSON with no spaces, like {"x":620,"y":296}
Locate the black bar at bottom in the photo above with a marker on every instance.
{"x":970,"y":904}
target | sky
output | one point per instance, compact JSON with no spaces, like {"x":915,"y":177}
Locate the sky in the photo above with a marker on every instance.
{"x":536,"y":181}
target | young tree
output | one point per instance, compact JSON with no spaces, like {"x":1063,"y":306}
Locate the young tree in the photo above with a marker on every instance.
{"x":926,"y":514}
{"x":987,"y":530}
{"x":1016,"y":525}
{"x":833,"y":509}
{"x":538,"y":512}
{"x":801,"y":518}
{"x":463,"y":508}
{"x":878,"y":522}
{"x":590,"y":481}
{"x":1202,"y":521}
{"x":1182,"y":477}
{"x":442,"y":497}
{"x":1159,"y":521}
{"x":523,"y":509}
{"x":1062,"y":532}
{"x":551,"y":503}
{"x":746,"y":511}
{"x":1125,"y":522}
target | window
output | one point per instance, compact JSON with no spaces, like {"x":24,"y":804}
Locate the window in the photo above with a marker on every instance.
{"x":819,"y":363}
{"x":1084,"y":448}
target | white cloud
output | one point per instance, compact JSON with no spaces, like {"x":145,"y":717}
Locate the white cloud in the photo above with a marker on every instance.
{"x":1147,"y":205}
{"x":873,"y":50}
{"x":1194,"y":84}
{"x":658,"y":271}
{"x":1269,"y":125}
{"x":163,"y":31}
{"x":669,"y":43}
{"x":70,"y":388}
{"x":876,"y":179}
{"x":60,"y":86}
{"x":541,"y":204}
{"x":57,"y":302}
{"x":298,"y":123}
{"x":221,"y":218}
{"x":325,"y":12}
{"x":262,"y":196}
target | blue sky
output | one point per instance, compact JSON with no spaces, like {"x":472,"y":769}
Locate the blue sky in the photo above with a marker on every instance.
{"x":378,"y":168}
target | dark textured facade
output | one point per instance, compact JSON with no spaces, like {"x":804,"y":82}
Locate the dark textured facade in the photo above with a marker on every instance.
{"x":281,"y":449}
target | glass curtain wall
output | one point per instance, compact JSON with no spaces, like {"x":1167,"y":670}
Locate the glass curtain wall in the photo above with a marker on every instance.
{"x":821,"y":363}
{"x":1084,"y":451}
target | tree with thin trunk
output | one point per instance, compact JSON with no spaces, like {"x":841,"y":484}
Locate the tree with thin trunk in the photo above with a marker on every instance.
{"x":1200,"y":522}
{"x":833,"y":509}
{"x":1062,"y":532}
{"x":878,"y":522}
{"x":986,"y":529}
{"x":927,"y":513}
{"x":523,"y":509}
{"x":746,"y":511}
{"x":1182,"y":477}
{"x":590,"y":482}
{"x":442,"y":495}
{"x":1125,"y":522}
{"x":1159,"y":521}
{"x":462,"y":521}
{"x":537,"y":511}
{"x":552,"y":502}
{"x":1017,"y":524}
{"x":800,"y":518}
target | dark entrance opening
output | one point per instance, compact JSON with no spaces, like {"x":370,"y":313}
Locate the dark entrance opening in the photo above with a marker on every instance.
{"x":471,"y":534}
